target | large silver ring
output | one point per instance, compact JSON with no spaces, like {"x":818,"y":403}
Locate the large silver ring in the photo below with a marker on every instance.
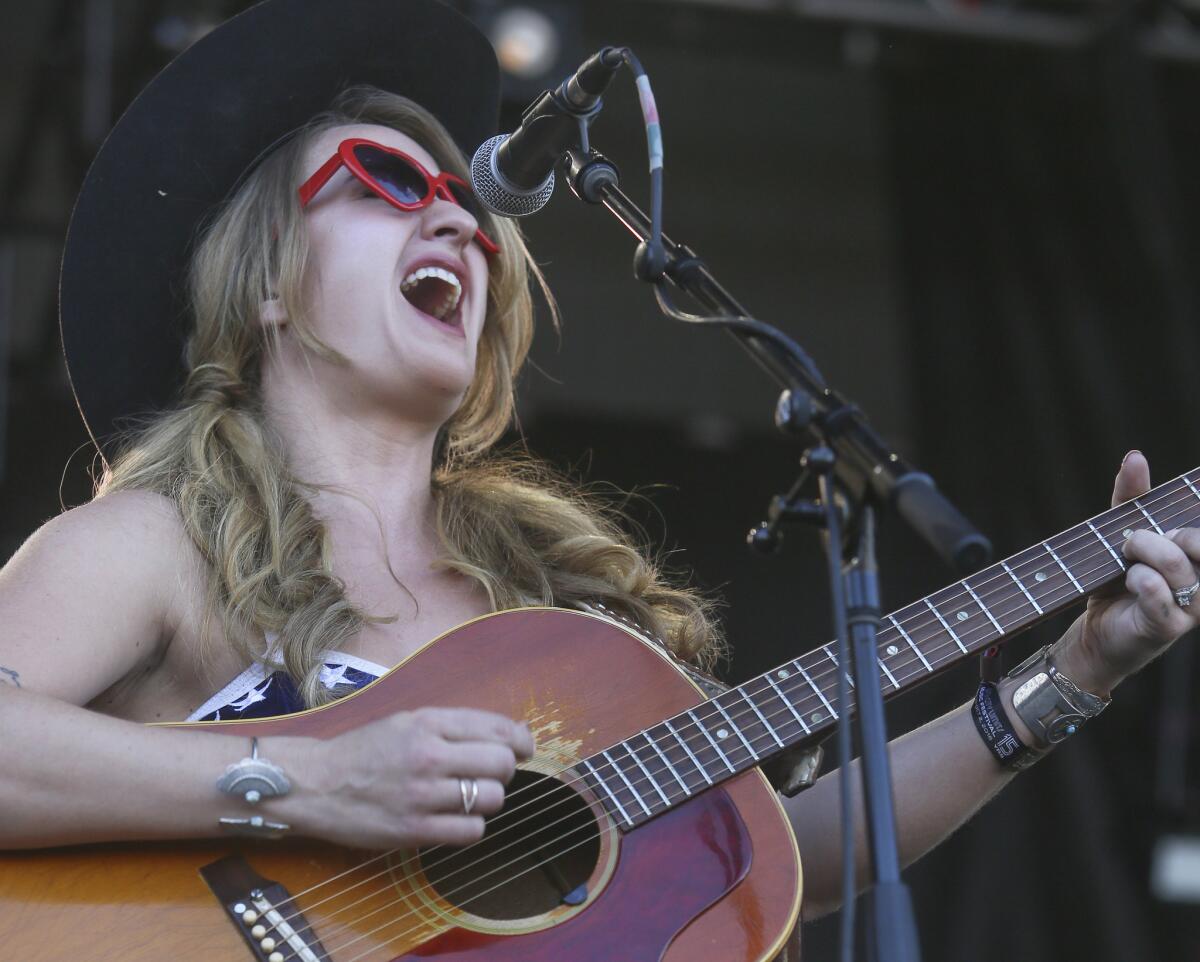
{"x":1184,"y":596}
{"x":469,"y":789}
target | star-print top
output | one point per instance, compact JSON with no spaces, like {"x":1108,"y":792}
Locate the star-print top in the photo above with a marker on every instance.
{"x":257,"y":693}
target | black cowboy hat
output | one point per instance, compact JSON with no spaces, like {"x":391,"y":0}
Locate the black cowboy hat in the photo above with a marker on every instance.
{"x":194,"y":130}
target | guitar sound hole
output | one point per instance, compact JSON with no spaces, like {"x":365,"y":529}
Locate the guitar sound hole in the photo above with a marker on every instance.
{"x":535,"y":854}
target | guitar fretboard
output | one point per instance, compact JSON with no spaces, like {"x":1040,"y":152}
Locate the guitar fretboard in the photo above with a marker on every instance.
{"x":664,"y":765}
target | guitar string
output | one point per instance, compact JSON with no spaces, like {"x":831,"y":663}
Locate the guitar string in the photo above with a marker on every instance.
{"x":929,"y":620}
{"x":661,"y":771}
{"x":407,"y":932}
{"x":741,"y":715}
{"x":1082,"y":537}
{"x":492,"y":871}
{"x":611,"y":828}
{"x":499,"y":868}
{"x":559,"y":788}
{"x":911,"y":624}
{"x":399,"y":918}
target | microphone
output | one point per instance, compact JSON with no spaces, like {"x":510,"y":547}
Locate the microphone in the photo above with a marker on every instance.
{"x":513,"y":174}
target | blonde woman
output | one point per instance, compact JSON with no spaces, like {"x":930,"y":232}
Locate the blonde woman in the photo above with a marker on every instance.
{"x":313,"y":497}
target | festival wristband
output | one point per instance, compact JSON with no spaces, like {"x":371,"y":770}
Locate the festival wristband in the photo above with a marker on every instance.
{"x":997,"y":732}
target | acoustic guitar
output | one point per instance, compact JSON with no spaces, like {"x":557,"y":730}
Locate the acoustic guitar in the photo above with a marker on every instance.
{"x":642,"y":829}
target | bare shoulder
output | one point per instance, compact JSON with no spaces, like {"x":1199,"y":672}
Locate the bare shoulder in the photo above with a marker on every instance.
{"x":119,"y":513}
{"x":124,"y":536}
{"x":85,"y":600}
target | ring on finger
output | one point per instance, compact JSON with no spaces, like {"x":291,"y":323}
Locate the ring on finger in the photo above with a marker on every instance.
{"x":1184,"y":596}
{"x":469,"y":790}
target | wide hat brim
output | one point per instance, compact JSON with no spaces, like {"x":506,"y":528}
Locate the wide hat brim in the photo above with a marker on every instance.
{"x":188,"y":137}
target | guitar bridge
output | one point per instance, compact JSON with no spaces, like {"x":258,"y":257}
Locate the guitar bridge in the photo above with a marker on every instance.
{"x":263,"y":913}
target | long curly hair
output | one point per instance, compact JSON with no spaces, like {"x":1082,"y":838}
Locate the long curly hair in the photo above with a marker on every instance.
{"x":527,"y":535}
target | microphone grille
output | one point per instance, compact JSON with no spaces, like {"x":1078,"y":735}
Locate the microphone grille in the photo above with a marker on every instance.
{"x":496,"y":193}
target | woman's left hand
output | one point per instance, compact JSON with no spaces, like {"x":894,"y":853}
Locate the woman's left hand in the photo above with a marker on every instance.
{"x":1125,"y":627}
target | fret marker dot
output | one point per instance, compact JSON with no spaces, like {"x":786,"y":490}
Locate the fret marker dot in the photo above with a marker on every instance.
{"x":722,"y":733}
{"x":783,"y":673}
{"x":893,"y":650}
{"x":962,"y":616}
{"x":1040,"y":576}
{"x":817,"y":716}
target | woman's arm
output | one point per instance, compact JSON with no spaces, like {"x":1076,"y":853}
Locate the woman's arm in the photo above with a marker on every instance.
{"x":943,"y":772}
{"x":86,"y":602}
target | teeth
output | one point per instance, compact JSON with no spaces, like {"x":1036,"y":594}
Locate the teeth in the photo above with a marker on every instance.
{"x":452,"y":296}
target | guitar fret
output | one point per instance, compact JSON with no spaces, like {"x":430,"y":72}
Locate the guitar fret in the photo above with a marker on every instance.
{"x":687,"y":748}
{"x":666,"y":761}
{"x":711,"y":740}
{"x":820,"y":694}
{"x":761,"y":717}
{"x":825,"y":648}
{"x":1066,"y":570}
{"x":1153,"y":523}
{"x":791,"y":707}
{"x":645,"y":771}
{"x":983,"y":607}
{"x":628,"y":784}
{"x":890,"y":676}
{"x":1116,"y":557}
{"x":946,"y":625}
{"x":731,"y":737}
{"x":1024,"y":590}
{"x":737,"y":729}
{"x":609,"y":792}
{"x":911,"y":644}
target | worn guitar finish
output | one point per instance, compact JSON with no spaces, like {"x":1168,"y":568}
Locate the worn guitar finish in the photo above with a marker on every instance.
{"x":717,"y":878}
{"x":678,"y":851}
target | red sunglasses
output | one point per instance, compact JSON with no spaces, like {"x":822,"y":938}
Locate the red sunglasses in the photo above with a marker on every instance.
{"x":399,"y":179}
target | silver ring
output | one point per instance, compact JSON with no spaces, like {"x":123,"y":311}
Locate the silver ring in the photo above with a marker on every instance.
{"x":1184,"y":596}
{"x":469,"y":789}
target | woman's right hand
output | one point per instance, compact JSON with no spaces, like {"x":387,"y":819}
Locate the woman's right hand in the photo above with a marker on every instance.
{"x":397,"y":782}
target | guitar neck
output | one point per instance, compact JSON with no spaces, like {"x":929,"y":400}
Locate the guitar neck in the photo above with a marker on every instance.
{"x":795,"y":703}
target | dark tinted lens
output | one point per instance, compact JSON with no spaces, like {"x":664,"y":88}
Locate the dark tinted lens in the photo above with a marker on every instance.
{"x":466,"y":200}
{"x":398,"y":177}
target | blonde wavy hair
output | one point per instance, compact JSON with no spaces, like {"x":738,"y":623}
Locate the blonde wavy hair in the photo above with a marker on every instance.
{"x":528,"y":536}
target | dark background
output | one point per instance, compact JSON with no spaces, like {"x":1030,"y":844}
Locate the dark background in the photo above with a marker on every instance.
{"x":980,"y":219}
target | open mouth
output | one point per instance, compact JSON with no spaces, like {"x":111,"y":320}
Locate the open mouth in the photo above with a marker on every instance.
{"x":434,"y":291}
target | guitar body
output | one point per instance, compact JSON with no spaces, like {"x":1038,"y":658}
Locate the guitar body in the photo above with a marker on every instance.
{"x":716,"y":878}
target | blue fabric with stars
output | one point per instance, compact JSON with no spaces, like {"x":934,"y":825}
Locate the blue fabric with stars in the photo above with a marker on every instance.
{"x":257,"y":693}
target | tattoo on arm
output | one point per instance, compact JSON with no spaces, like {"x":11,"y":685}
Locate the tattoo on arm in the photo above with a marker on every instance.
{"x":10,"y":676}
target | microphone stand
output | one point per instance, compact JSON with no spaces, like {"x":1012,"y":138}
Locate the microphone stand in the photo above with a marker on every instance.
{"x":854,"y":469}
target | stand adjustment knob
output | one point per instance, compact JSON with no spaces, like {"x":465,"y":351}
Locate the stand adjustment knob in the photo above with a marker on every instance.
{"x":764,"y":540}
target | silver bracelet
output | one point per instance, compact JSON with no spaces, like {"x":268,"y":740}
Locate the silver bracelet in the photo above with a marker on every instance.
{"x":1050,"y":704}
{"x":254,"y":779}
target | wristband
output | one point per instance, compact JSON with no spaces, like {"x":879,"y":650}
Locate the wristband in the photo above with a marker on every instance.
{"x":997,"y":732}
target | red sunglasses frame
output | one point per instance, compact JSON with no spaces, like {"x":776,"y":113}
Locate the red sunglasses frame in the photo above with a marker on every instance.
{"x":437,"y":184}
